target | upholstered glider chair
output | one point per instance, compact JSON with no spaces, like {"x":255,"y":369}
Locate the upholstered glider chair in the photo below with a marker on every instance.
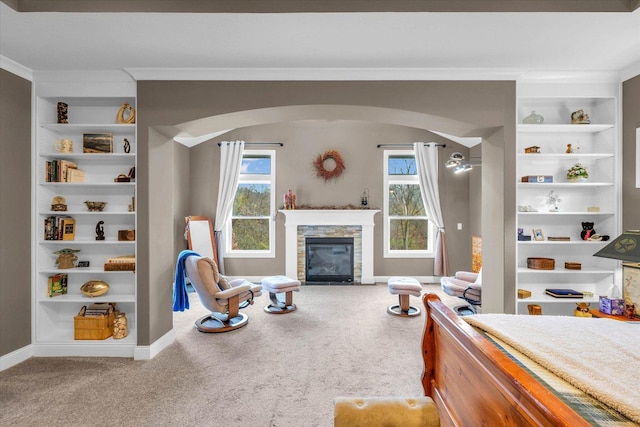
{"x":223,"y":297}
{"x":465,"y":285}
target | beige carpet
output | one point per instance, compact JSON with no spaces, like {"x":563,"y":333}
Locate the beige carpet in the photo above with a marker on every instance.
{"x":279,"y":370}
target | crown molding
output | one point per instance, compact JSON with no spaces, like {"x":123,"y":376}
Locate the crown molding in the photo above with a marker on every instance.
{"x":630,"y":72}
{"x":15,"y":68}
{"x":302,"y":74}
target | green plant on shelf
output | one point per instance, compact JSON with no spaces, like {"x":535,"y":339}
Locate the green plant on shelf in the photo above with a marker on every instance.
{"x":577,"y":172}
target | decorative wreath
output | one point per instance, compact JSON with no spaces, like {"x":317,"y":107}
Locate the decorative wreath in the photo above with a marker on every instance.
{"x":322,"y":171}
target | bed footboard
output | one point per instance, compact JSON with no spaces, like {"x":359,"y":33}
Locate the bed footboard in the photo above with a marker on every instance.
{"x":475,"y":383}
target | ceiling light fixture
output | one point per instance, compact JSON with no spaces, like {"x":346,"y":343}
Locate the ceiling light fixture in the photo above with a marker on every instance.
{"x":458,"y":163}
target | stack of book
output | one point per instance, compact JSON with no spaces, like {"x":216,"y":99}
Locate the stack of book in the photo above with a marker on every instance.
{"x":563,"y":293}
{"x":121,"y":263}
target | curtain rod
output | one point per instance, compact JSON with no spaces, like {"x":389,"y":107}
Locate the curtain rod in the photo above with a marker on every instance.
{"x":259,"y":143}
{"x":408,"y":145}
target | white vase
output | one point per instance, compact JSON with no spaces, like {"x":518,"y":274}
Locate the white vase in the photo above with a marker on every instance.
{"x":578,"y":179}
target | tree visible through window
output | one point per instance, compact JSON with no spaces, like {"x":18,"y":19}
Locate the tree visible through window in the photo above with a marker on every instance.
{"x":407,"y":225}
{"x":251,"y":225}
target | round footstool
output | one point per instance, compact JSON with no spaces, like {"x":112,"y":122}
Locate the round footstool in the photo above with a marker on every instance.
{"x":280,"y":285}
{"x":404,"y":287}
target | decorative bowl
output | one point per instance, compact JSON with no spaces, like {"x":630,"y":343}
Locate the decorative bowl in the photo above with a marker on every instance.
{"x":95,"y":206}
{"x":94,"y":288}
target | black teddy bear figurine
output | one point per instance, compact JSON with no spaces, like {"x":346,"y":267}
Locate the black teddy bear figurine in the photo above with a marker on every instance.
{"x":588,"y":233}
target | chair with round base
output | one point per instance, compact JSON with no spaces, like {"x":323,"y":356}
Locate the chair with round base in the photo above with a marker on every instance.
{"x":278,"y":285}
{"x":404,"y":287}
{"x":222,"y":297}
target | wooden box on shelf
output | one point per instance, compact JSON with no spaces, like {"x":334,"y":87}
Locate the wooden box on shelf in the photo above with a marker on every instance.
{"x":94,"y":327}
{"x":541,"y":263}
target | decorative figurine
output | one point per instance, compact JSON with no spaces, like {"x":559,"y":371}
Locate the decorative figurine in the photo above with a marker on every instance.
{"x":629,"y":311}
{"x":553,"y":200}
{"x":127,"y":146}
{"x":66,"y":257}
{"x":128,"y":111}
{"x":569,"y":149}
{"x":580,"y":118}
{"x":533,"y":119}
{"x":100,"y":231}
{"x":62,"y":113}
{"x":582,"y":310}
{"x":289,"y":200}
{"x":64,"y":146}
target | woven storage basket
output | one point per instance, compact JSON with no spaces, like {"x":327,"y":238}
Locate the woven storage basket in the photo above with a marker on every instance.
{"x":93,"y":327}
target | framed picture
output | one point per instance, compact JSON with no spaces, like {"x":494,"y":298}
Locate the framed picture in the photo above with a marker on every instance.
{"x":97,"y":143}
{"x":83,"y":263}
{"x":537,"y":234}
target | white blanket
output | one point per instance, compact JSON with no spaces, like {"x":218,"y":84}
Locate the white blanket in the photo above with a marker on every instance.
{"x":598,"y":356}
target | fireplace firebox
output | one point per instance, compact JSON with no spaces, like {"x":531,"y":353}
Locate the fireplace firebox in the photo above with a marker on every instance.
{"x":329,"y":260}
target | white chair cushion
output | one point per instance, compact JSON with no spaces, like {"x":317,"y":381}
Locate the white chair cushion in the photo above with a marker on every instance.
{"x":277,"y":284}
{"x":401,"y":285}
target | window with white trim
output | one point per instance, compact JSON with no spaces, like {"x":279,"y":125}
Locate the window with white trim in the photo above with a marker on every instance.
{"x":250,"y":232}
{"x":407,"y":231}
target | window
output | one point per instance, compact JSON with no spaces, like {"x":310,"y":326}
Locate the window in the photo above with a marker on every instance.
{"x":250,"y":233}
{"x":407,"y":231}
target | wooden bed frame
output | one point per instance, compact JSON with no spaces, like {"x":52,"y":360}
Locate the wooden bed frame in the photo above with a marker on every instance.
{"x":474,"y":383}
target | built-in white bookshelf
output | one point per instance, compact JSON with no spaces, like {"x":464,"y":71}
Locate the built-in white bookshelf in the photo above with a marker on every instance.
{"x":596,"y":146}
{"x":53,"y":325}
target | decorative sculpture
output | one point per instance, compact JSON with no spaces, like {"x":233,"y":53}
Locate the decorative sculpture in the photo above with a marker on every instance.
{"x":127,"y":146}
{"x":128,"y":111}
{"x":100,"y":230}
{"x":62,"y":113}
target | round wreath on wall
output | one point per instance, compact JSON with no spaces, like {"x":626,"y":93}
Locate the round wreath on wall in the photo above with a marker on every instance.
{"x":322,"y":164}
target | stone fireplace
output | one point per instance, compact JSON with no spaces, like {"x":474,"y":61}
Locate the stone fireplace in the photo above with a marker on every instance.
{"x":349,"y":223}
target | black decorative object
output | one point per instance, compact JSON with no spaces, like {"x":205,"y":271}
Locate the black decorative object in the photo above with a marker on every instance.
{"x":100,"y":231}
{"x":127,"y":146}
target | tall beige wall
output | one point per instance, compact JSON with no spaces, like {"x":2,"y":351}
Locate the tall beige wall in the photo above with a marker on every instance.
{"x":15,"y":212}
{"x":630,"y":121}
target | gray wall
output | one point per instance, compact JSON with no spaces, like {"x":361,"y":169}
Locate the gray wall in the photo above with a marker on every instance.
{"x":15,"y":212}
{"x":630,"y":121}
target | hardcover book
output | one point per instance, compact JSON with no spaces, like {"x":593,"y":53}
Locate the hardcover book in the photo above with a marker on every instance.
{"x":563,"y":293}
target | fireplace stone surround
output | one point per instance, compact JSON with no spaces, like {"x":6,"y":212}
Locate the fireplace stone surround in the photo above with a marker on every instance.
{"x":356,"y":223}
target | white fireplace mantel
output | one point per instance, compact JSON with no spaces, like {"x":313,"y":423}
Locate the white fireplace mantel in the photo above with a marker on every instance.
{"x":357,"y":217}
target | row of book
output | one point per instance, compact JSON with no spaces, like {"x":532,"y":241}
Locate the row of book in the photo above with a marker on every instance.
{"x":57,"y":284}
{"x":63,"y":171}
{"x":59,"y":228}
{"x":121,"y":263}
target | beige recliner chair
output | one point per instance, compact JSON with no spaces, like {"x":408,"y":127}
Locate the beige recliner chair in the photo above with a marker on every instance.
{"x":224,"y":298}
{"x":465,"y":285}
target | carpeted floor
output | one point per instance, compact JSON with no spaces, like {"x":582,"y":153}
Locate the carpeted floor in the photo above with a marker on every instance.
{"x":278,"y":371}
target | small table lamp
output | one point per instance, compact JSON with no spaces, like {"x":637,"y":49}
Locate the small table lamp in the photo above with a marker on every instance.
{"x":626,"y":247}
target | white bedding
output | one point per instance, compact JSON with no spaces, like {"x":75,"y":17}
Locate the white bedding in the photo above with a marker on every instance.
{"x":597,"y":356}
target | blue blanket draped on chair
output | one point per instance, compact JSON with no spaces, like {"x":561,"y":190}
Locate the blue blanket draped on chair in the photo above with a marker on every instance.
{"x":180,"y":294}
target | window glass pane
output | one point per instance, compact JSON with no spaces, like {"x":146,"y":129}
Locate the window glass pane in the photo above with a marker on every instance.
{"x":250,"y":234}
{"x":258,"y":165}
{"x":402,"y":165}
{"x":405,"y":200}
{"x":408,"y":234}
{"x":252,"y":200}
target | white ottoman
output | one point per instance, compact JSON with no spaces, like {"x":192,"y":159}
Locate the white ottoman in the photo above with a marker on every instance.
{"x":404,"y":287}
{"x":280,"y":285}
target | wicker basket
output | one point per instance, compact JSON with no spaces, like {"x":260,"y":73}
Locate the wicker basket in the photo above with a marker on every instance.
{"x":93,"y":327}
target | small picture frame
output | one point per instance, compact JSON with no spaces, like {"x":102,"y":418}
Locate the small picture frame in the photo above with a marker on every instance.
{"x":97,"y":143}
{"x":537,"y":234}
{"x":83,"y":263}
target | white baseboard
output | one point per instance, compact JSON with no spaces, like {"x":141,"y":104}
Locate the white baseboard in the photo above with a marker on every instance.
{"x":15,"y":357}
{"x":150,"y":351}
{"x":377,"y":279}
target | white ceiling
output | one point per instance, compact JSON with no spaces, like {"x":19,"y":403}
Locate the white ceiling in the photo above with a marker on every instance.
{"x":441,"y":41}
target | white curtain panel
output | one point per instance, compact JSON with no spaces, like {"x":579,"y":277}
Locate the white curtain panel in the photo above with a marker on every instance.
{"x":427,"y":166}
{"x":230,"y":162}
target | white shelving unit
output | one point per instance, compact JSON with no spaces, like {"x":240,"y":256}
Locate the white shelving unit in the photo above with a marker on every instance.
{"x":597,"y":147}
{"x":53,"y":333}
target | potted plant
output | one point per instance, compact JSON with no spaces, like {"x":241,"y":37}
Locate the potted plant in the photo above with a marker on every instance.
{"x":577,"y":173}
